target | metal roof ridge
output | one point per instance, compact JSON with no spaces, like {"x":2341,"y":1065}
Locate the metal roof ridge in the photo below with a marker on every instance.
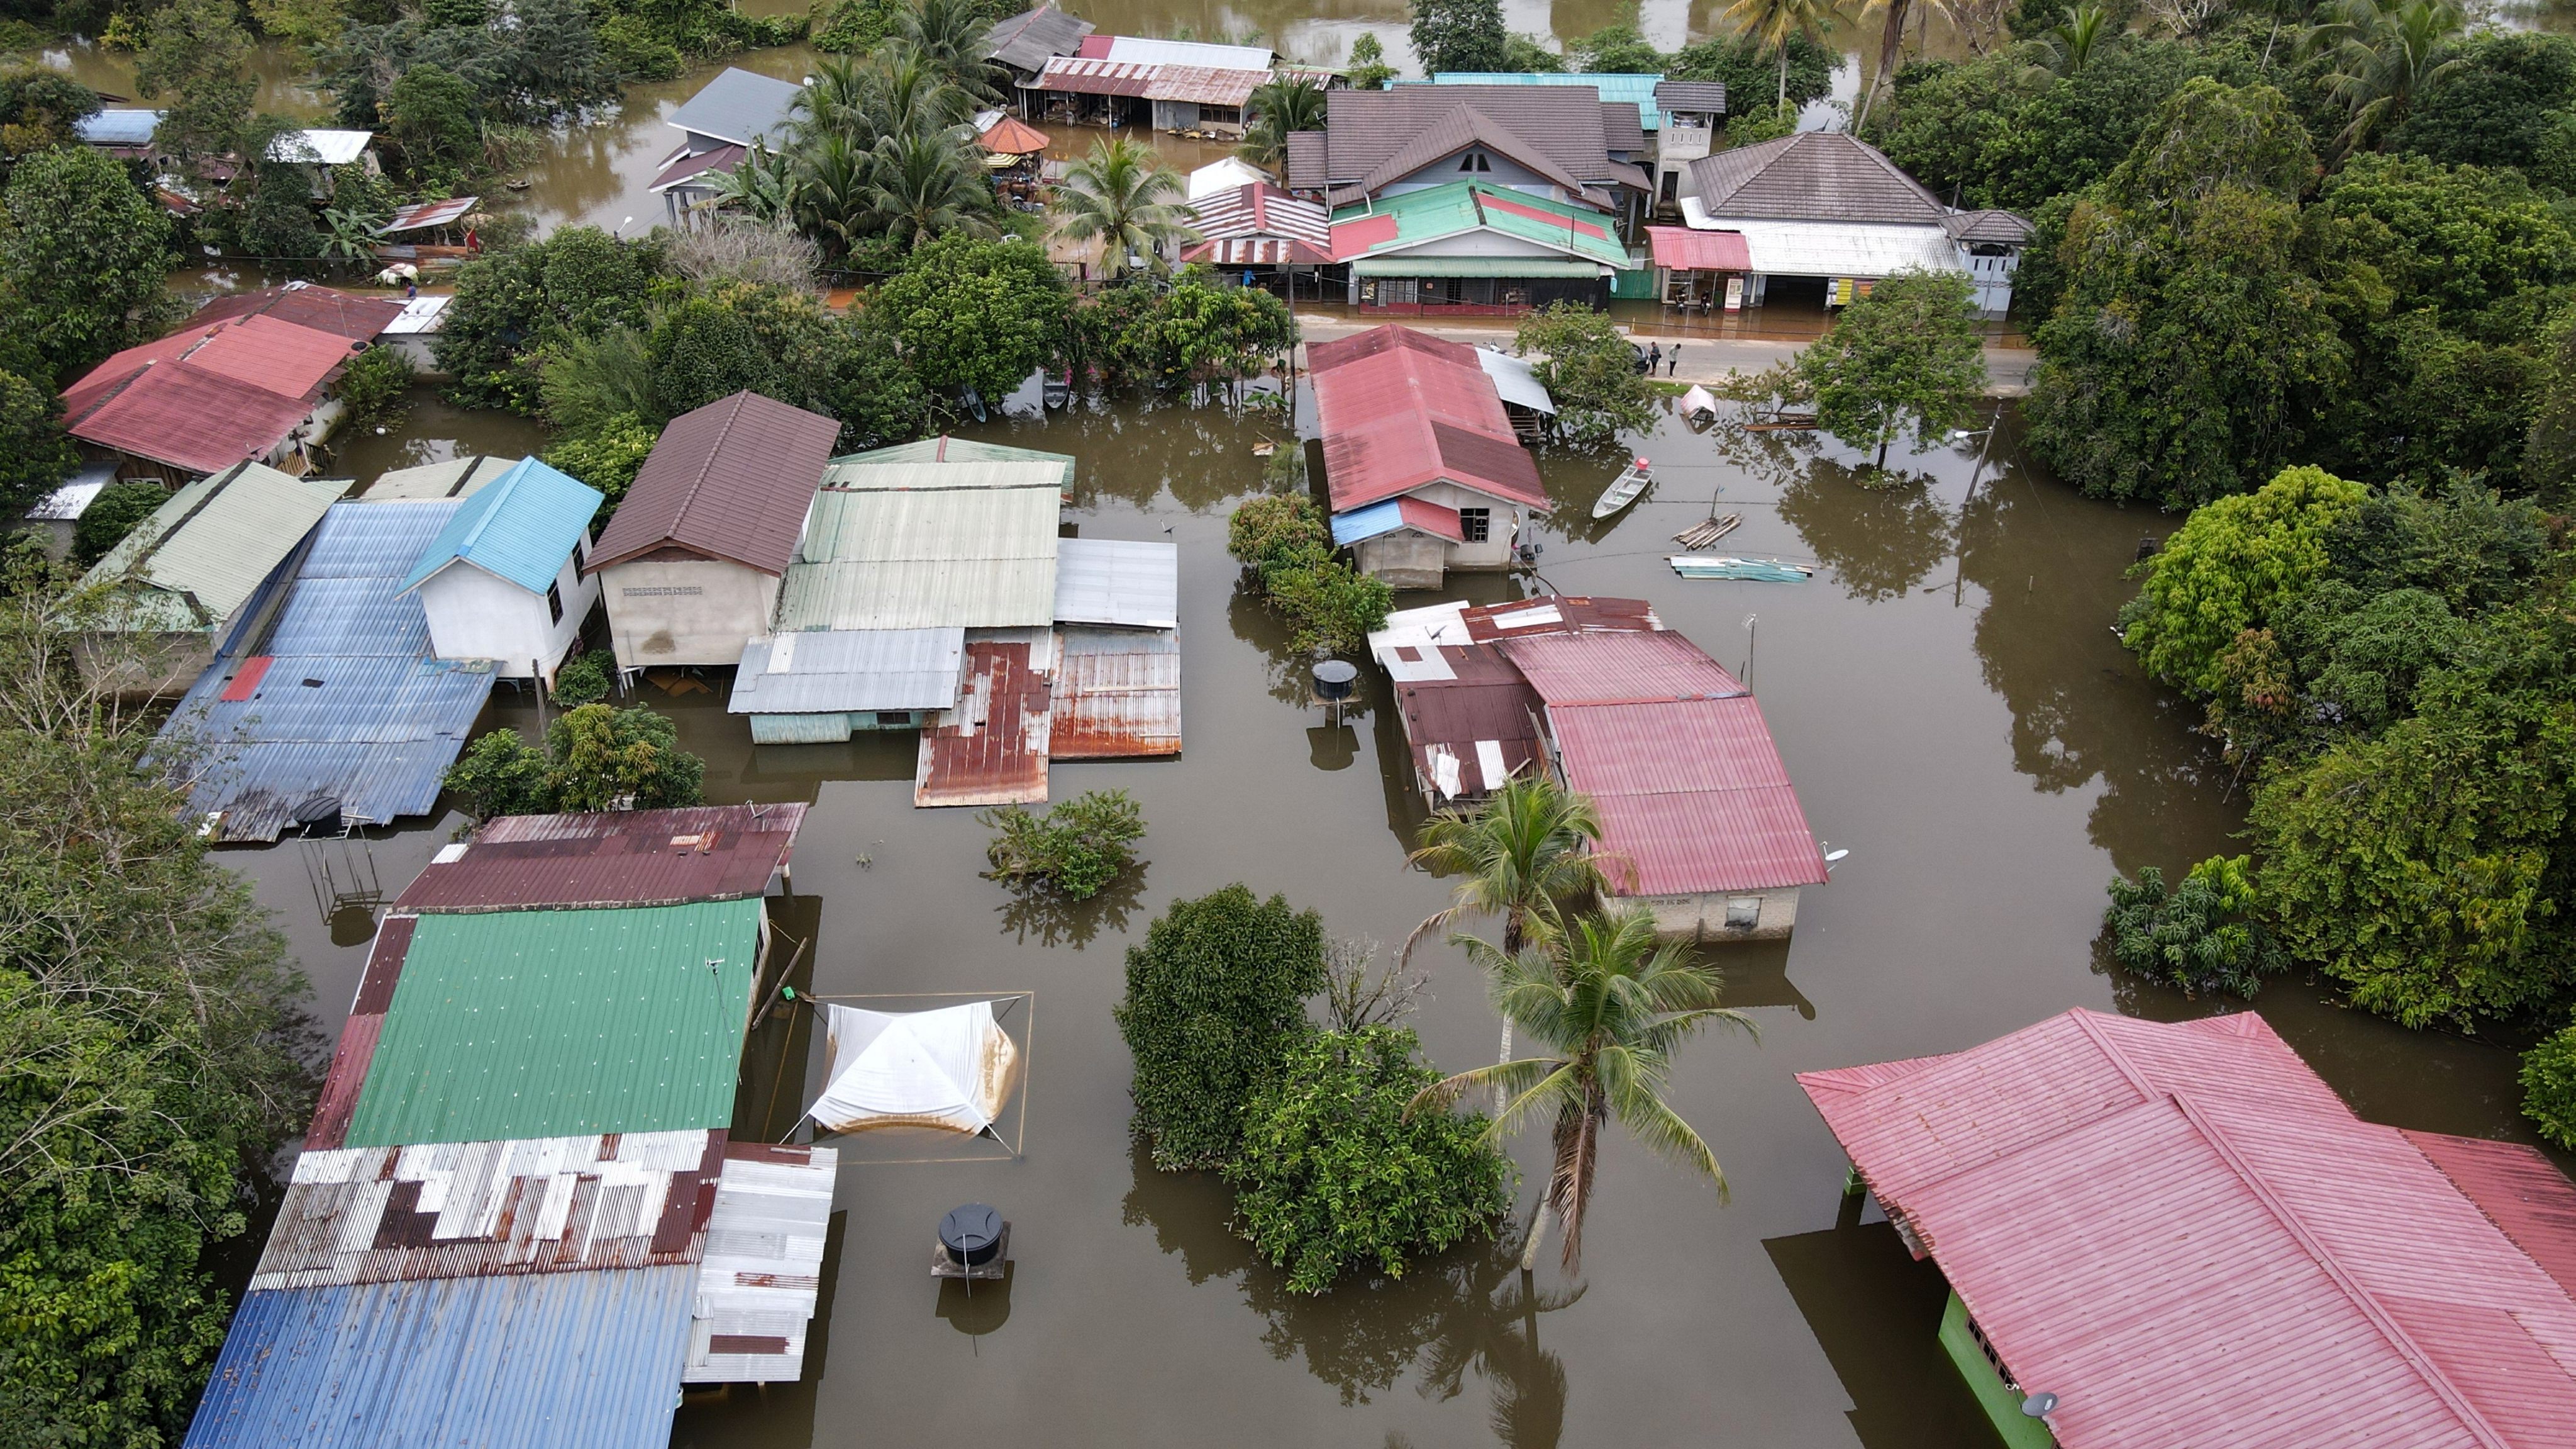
{"x":707,"y":464}
{"x":2325,"y":1260}
{"x":2147,"y":1091}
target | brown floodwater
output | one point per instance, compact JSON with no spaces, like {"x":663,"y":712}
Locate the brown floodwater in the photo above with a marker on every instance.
{"x":1954,"y":709}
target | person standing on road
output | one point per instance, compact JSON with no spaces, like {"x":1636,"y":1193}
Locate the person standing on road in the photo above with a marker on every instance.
{"x":1654,"y":357}
{"x":1673,"y":361}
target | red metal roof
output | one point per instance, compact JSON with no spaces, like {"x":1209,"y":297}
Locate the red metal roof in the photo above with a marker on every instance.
{"x":1484,"y":719}
{"x":1011,"y":136}
{"x":1557,"y":614}
{"x":2180,"y":1231}
{"x":182,"y":415}
{"x":682,"y":165}
{"x":280,"y":357}
{"x":324,"y":309}
{"x":1431,"y":518}
{"x":1684,"y":249}
{"x":2520,"y":1191}
{"x":628,"y":858}
{"x":424,"y":215}
{"x":1613,"y":667}
{"x":992,"y":749}
{"x":1692,"y":795}
{"x":1399,"y":410}
{"x":731,"y":480}
{"x":1259,"y":223}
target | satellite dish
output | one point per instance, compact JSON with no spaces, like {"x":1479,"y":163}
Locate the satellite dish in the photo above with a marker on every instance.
{"x":1834,"y":855}
{"x":2039,"y":1406}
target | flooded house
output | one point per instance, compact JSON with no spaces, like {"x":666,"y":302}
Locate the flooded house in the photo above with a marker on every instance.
{"x":1257,"y":231}
{"x":1695,"y":805}
{"x":1423,"y":467}
{"x":718,"y":127}
{"x":192,"y":579}
{"x":1170,"y":85}
{"x":503,"y":580}
{"x":2177,"y":1233}
{"x":690,"y":564}
{"x":1024,"y":43}
{"x":1828,"y":214}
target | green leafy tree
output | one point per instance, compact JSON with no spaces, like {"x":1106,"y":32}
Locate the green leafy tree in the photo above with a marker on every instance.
{"x":2549,"y":459}
{"x":83,"y":257}
{"x":501,"y":774}
{"x":599,"y":758}
{"x":40,"y":109}
{"x":2549,"y":1087}
{"x":1907,"y":353}
{"x":513,"y":306}
{"x":949,"y":36}
{"x":198,"y":61}
{"x":1337,"y":1177}
{"x":2495,"y":107}
{"x":1125,"y":196}
{"x":1458,"y":35}
{"x":1607,"y":1006}
{"x":924,"y":186}
{"x":1215,"y":1001}
{"x":1746,"y":65}
{"x":1531,"y":55}
{"x":1368,"y":70}
{"x":374,"y":387}
{"x":2234,"y":565}
{"x":1200,"y":333}
{"x":585,"y":678}
{"x":1589,"y":370}
{"x":736,"y":336}
{"x":1275,"y":110}
{"x":1617,"y":50}
{"x":2201,"y":936}
{"x":974,"y":314}
{"x":873,"y":390}
{"x":112,"y":515}
{"x":1283,"y":540}
{"x":34,"y":455}
{"x":2385,"y":53}
{"x":429,"y":112}
{"x":1076,"y":848}
{"x":1773,"y":24}
{"x":608,"y":457}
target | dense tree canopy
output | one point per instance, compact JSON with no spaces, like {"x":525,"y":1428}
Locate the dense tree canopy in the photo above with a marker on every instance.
{"x":1215,"y":999}
{"x":83,"y":258}
{"x":1908,"y":355}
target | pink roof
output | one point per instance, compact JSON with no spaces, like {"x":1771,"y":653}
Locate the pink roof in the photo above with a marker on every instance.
{"x":274,"y":356}
{"x":1619,"y":668}
{"x":1428,"y":517}
{"x":1692,"y":795}
{"x":1258,"y":222}
{"x":2183,"y":1233}
{"x":182,"y":415}
{"x":1399,"y":409}
{"x":1682,"y":248}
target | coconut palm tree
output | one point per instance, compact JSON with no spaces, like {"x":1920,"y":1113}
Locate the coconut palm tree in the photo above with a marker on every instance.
{"x":1117,"y":193}
{"x":761,"y":186}
{"x":2084,"y":31}
{"x":923,"y":185}
{"x":949,"y":36}
{"x":1774,"y":23}
{"x":1607,"y":1003}
{"x":1276,"y":109}
{"x":2386,"y":53}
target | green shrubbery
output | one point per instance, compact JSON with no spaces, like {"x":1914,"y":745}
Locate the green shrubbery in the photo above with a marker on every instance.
{"x":1075,"y":849}
{"x":112,"y":515}
{"x":1282,"y":539}
{"x":595,"y":758}
{"x":2201,"y":936}
{"x":585,"y":678}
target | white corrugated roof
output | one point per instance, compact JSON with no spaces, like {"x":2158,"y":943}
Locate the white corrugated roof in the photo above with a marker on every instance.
{"x":763,"y":1271}
{"x":846,"y":670}
{"x":1224,"y":175}
{"x":1832,"y":248}
{"x":1118,"y":581}
{"x":73,"y":499}
{"x":933,"y":545}
{"x":1131,"y":50}
{"x":1515,"y":380}
{"x":330,"y":148}
{"x":419,"y":315}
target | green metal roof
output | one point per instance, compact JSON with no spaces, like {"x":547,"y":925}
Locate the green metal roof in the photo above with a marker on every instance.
{"x":557,"y":1023}
{"x":945,"y":450}
{"x":1473,"y":267}
{"x":1437,"y":212}
{"x":202,"y":554}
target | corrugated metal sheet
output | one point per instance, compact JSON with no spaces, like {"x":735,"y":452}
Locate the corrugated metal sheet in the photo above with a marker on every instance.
{"x":980,"y":555}
{"x":1195,"y":84}
{"x":1470,"y":719}
{"x":992,"y":748}
{"x":455,"y":478}
{"x":423,"y":215}
{"x":686,"y":165}
{"x":118,"y":127}
{"x":1118,"y":581}
{"x":2128,"y":1206}
{"x":553,"y":1361}
{"x":739,"y":106}
{"x":1692,"y":794}
{"x":731,"y":480}
{"x":1117,"y":695}
{"x":612,"y":858}
{"x":1612,"y":667}
{"x":1684,"y":249}
{"x":945,"y":449}
{"x":324,"y":309}
{"x":848,"y":670}
{"x":1633,"y":88}
{"x":555,"y":1023}
{"x":1024,"y":41}
{"x":522,"y":528}
{"x":1832,"y":248}
{"x":1382,"y":401}
{"x":764,"y":1264}
{"x":1557,"y":613}
{"x":182,"y":415}
{"x":804,"y":729}
{"x":1515,"y":380}
{"x":202,"y":554}
{"x":1258,"y":215}
{"x":1145,"y":50}
{"x":487,"y":1209}
{"x":2519,"y":1189}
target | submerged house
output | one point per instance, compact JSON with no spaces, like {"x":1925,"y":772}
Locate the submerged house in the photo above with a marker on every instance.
{"x":1474,"y":248}
{"x":718,"y":127}
{"x":1024,"y":43}
{"x":191,"y":579}
{"x":1259,"y":231}
{"x":503,"y":580}
{"x":1171,"y":85}
{"x":691,"y":562}
{"x":1422,"y":465}
{"x":1828,"y":214}
{"x":2177,"y":1233}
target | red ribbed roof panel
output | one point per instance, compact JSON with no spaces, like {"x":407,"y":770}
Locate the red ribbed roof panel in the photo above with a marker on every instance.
{"x":1635,"y":667}
{"x":624,"y":858}
{"x":1399,"y":410}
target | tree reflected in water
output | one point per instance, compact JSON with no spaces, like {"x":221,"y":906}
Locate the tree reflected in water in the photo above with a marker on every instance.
{"x":1879,"y":540}
{"x":1034,"y":910}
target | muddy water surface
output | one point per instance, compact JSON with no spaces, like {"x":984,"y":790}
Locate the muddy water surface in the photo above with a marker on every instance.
{"x":1954,"y":709}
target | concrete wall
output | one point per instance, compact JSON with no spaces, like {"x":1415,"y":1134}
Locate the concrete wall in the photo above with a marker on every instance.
{"x":1706,"y":916}
{"x":478,"y":615}
{"x":1496,"y":551}
{"x":1406,"y":560}
{"x":685,"y":611}
{"x":1409,"y":560}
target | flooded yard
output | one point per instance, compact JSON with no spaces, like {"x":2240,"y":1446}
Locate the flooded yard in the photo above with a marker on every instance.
{"x":1952,"y":704}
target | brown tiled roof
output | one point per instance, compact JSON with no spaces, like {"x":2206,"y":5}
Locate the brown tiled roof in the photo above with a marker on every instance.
{"x":1306,"y":156}
{"x":1623,"y":127}
{"x":1705,"y":97}
{"x":1365,"y":128}
{"x":1813,"y":176}
{"x":2001,"y":227}
{"x":1452,"y":132}
{"x":731,"y":480}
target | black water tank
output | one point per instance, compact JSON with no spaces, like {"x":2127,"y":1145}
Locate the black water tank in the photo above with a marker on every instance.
{"x":972,"y":1234}
{"x":1333,"y":680}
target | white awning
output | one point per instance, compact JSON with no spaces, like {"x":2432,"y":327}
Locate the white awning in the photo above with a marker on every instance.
{"x":951,"y":1068}
{"x":1833,"y":248}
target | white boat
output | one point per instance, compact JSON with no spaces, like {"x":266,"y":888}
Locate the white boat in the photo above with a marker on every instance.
{"x":1697,"y":401}
{"x":1623,"y":490}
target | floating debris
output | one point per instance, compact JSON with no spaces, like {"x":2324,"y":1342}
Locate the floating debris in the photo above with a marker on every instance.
{"x":1701,"y":535}
{"x":1698,"y":400}
{"x":1752,"y":570}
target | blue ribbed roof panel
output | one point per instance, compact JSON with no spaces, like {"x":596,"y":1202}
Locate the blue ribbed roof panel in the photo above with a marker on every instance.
{"x":538,"y":1361}
{"x":521,"y":526}
{"x":1361,"y":524}
{"x":1635,"y":88}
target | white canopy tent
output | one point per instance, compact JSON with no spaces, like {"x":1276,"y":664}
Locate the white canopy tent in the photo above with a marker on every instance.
{"x":951,"y":1068}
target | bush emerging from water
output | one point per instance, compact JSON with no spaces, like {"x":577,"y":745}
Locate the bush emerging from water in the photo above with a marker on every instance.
{"x":595,"y":758}
{"x":1283,"y":539}
{"x":584,"y":678}
{"x":2199,"y":936}
{"x":1215,"y":999}
{"x":2549,"y":1087}
{"x":1076,"y":848}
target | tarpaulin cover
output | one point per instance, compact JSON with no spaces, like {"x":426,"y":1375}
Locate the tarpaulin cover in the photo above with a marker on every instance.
{"x":948,"y":1068}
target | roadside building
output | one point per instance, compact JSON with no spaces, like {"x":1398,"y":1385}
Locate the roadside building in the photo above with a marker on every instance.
{"x":239,"y":382}
{"x":328,"y":710}
{"x":503,"y":581}
{"x":2126,"y":1208}
{"x":1825,"y":215}
{"x":189,"y":581}
{"x":1422,"y":465}
{"x":1474,"y":248}
{"x":1257,"y":232}
{"x":718,"y":127}
{"x":1024,"y":43}
{"x":690,"y":564}
{"x":1693,"y":112}
{"x":1552,"y":143}
{"x":1700,"y":270}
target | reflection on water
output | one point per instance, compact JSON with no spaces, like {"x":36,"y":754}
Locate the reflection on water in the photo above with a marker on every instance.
{"x":1875,"y":1312}
{"x":1032,"y":911}
{"x":1880,"y":535}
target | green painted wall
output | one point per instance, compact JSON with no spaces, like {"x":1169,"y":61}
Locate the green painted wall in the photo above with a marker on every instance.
{"x":2016,"y":1429}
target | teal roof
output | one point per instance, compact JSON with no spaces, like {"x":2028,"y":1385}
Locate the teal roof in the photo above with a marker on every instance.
{"x":1463,"y":206}
{"x":949,"y":450}
{"x":1636,"y":89}
{"x":514,"y":1024}
{"x":520,"y":526}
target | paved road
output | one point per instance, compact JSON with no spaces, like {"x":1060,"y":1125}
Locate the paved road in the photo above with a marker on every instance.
{"x":1703,"y":359}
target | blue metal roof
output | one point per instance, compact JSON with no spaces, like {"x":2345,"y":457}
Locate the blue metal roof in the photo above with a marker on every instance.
{"x":585,"y":1360}
{"x":1365,"y":523}
{"x":739,"y":106}
{"x":119,"y":128}
{"x":520,"y":526}
{"x":350,"y":705}
{"x":1614,"y":86}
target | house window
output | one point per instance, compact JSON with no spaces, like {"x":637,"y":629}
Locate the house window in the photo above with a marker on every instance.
{"x":554,"y":603}
{"x":1743,"y":913}
{"x":1477,"y":524}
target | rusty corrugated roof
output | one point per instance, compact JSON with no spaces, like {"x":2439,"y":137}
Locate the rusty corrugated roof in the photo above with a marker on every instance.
{"x":618,"y":858}
{"x":1117,"y":695}
{"x":992,"y":748}
{"x":731,"y":480}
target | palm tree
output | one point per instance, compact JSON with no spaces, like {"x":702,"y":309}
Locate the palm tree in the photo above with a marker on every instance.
{"x":2386,"y":53}
{"x":915,"y":95}
{"x":1608,"y":1004}
{"x":1891,"y":34}
{"x":839,"y":99}
{"x":1278,"y":108}
{"x":1774,"y":23}
{"x":1117,"y":194}
{"x":949,"y":36}
{"x":2073,"y":42}
{"x":761,"y":186}
{"x":833,"y":174}
{"x":922,"y":185}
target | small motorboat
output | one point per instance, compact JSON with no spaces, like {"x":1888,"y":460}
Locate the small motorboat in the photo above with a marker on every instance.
{"x":1698,"y":400}
{"x":1783,"y":423}
{"x":1624,"y":489}
{"x":1055,"y":392}
{"x":1751,"y":570}
{"x":974,"y":403}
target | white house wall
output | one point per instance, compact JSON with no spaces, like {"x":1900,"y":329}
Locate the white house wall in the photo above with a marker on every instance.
{"x":1496,"y":551}
{"x":478,"y":615}
{"x":685,"y":611}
